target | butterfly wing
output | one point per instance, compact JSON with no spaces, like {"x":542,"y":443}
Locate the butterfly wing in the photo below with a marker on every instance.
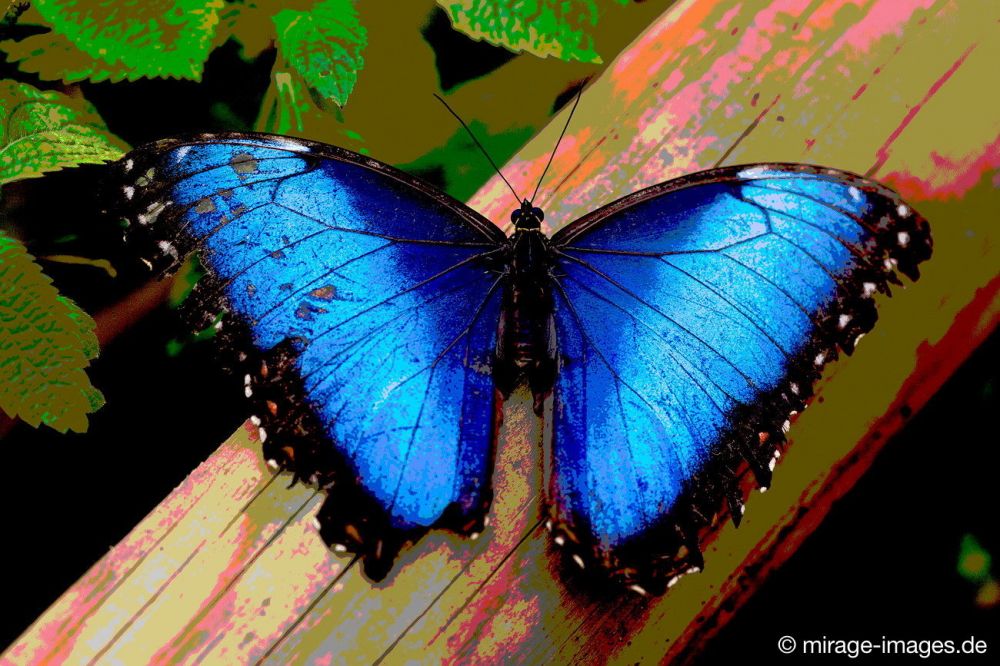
{"x":692,"y":319}
{"x":364,"y":306}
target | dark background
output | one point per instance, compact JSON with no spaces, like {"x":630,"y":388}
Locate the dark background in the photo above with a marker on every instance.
{"x":883,"y":563}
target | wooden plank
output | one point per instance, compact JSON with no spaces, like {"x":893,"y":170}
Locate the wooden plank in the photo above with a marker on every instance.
{"x":858,"y":85}
{"x":78,"y":624}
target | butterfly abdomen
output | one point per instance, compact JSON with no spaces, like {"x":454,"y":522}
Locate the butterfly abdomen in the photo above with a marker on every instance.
{"x":526,"y":331}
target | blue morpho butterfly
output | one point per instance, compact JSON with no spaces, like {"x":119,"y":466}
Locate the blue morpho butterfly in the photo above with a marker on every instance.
{"x":380,"y":320}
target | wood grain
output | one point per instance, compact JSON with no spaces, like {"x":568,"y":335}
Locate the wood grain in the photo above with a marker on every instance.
{"x":228,"y":569}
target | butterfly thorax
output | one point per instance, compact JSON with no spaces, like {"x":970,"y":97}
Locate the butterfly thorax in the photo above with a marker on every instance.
{"x":526,"y":331}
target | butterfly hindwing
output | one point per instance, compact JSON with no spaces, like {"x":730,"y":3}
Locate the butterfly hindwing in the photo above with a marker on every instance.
{"x":365,"y":307}
{"x":692,"y":319}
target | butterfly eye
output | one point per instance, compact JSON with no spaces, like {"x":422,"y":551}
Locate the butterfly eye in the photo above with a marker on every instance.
{"x":516,"y":215}
{"x":537,"y":212}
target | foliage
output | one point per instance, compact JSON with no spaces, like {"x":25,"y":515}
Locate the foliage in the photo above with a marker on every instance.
{"x":46,"y":341}
{"x":44,"y":131}
{"x":101,"y":39}
{"x":116,"y":40}
{"x":973,"y":560}
{"x":324,"y":46}
{"x":321,"y":41}
{"x":558,"y":28}
{"x":468,"y":168}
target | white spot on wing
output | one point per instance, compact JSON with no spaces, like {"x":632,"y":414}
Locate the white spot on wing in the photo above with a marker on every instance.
{"x":129,"y":191}
{"x":168,"y":248}
{"x":752,"y":172}
{"x":181,"y":153}
{"x":153,"y":211}
{"x":129,"y":164}
{"x":902,"y":210}
{"x":288,"y":144}
{"x":903,"y":238}
{"x":844,"y":320}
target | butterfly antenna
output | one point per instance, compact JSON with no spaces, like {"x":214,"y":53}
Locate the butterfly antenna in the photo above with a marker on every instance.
{"x":558,"y":141}
{"x":494,"y":164}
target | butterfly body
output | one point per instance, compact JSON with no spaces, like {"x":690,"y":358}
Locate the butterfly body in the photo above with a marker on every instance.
{"x":678,"y":331}
{"x":526,"y":344}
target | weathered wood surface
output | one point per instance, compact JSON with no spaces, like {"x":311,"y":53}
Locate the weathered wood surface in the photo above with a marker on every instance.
{"x":228,"y":569}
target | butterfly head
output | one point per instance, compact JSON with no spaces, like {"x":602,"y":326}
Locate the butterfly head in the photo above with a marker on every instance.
{"x":527,"y":216}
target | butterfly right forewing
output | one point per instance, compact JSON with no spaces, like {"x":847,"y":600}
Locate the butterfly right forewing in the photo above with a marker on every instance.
{"x":692,"y":319}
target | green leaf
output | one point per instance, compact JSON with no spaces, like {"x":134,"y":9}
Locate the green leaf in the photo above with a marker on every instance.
{"x":292,"y":103}
{"x":54,"y":58}
{"x":251,"y":23}
{"x":14,"y":10}
{"x":973,"y":560}
{"x":324,"y":46}
{"x":558,"y":28}
{"x":461,"y":161}
{"x":153,"y":38}
{"x":290,"y":107}
{"x":44,"y":130}
{"x":46,"y":342}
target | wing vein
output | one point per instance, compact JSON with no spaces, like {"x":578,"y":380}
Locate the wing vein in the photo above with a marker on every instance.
{"x":625,"y":290}
{"x":433,"y":367}
{"x":614,"y":374}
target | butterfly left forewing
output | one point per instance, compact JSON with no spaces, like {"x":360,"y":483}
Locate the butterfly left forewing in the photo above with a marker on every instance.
{"x":364,"y":305}
{"x":692,"y":319}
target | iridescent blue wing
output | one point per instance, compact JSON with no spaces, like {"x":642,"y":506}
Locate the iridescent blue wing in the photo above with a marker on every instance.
{"x":692,"y":319}
{"x":364,"y":305}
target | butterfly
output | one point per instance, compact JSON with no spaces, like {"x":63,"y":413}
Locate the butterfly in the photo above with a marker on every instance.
{"x":381,"y":322}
